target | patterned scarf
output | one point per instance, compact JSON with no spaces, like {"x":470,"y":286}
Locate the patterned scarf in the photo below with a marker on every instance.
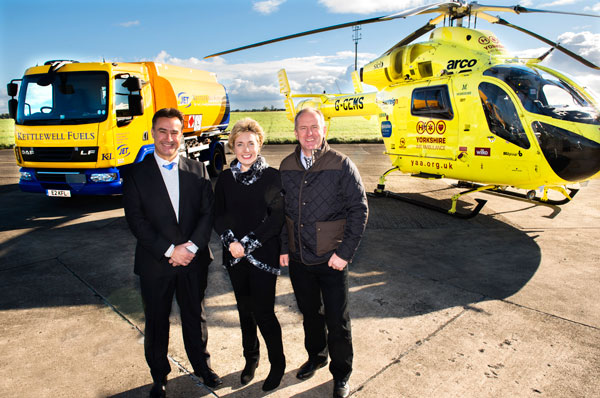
{"x":251,"y":175}
{"x":249,"y":242}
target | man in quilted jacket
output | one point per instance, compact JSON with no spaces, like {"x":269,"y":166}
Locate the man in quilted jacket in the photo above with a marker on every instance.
{"x":326,"y":214}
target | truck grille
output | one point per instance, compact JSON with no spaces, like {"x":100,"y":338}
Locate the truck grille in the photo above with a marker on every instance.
{"x":50,"y":154}
{"x":61,"y":176}
{"x":54,"y":177}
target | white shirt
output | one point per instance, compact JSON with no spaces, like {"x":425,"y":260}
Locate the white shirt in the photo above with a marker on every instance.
{"x":171,"y":180}
{"x":304,"y":161}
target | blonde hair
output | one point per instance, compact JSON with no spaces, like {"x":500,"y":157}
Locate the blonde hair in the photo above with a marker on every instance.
{"x":243,"y":126}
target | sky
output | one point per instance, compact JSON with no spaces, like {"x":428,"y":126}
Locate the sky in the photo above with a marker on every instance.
{"x":183,"y":32}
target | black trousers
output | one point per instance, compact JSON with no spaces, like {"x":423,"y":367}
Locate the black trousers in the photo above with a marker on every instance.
{"x":157,"y":295}
{"x":322,"y":296}
{"x":254,"y":291}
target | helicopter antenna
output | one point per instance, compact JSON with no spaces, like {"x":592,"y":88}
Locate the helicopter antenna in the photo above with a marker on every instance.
{"x":544,"y":55}
{"x":356,"y":36}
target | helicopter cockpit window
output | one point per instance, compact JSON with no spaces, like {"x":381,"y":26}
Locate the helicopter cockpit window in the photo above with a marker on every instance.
{"x":432,"y":102}
{"x":547,"y":95}
{"x":501,"y":114}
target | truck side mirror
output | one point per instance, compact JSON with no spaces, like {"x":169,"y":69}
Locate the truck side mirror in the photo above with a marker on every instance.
{"x":12,"y":108}
{"x":136,"y":104}
{"x":133,"y":83}
{"x":12,"y":89}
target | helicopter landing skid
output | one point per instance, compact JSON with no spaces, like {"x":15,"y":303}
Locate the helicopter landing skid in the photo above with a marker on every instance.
{"x":451,"y":212}
{"x":530,"y":195}
{"x":381,"y":192}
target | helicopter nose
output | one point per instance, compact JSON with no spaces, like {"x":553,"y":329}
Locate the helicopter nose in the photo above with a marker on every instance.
{"x":571,"y":156}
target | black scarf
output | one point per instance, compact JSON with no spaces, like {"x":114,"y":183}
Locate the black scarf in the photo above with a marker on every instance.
{"x":251,"y":175}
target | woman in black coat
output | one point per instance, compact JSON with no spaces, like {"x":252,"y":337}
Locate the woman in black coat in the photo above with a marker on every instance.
{"x":248,"y":218}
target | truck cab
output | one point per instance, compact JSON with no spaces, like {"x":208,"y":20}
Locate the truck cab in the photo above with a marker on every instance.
{"x":77,"y":124}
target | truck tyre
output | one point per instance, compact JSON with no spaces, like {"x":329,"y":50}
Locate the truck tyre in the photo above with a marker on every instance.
{"x":217,"y":161}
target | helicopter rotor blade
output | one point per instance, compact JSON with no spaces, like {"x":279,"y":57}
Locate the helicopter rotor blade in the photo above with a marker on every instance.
{"x":500,"y":21}
{"x":308,"y":32}
{"x":429,"y":26}
{"x":443,"y":7}
{"x":436,"y":7}
{"x":453,"y":9}
{"x":477,"y":8}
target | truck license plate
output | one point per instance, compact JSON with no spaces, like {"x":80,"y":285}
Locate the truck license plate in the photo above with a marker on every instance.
{"x":61,"y":193}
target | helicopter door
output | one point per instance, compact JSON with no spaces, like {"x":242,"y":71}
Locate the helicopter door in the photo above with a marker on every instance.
{"x":503,"y":153}
{"x":434,"y":127}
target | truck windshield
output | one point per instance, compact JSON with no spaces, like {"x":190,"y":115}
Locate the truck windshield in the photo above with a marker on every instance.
{"x":63,"y":98}
{"x":544,"y":94}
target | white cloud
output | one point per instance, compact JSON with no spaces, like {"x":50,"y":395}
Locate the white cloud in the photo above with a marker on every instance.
{"x":367,"y":7}
{"x":254,"y":85}
{"x":267,"y":6}
{"x":559,"y":3}
{"x":586,"y":44}
{"x":129,"y":24}
{"x":594,"y":8}
{"x":3,"y":100}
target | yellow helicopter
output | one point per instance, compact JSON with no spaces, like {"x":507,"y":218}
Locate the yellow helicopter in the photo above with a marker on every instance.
{"x":458,"y":106}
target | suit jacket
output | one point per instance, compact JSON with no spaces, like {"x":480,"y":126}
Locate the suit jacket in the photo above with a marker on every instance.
{"x":153,"y":222}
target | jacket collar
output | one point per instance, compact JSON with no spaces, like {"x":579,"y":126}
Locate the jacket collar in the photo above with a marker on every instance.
{"x":317,"y":153}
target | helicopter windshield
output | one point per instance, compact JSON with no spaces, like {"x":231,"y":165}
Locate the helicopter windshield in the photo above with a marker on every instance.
{"x":63,"y":98}
{"x":544,"y":94}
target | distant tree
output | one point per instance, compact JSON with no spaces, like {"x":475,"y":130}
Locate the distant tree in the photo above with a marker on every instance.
{"x":4,"y":116}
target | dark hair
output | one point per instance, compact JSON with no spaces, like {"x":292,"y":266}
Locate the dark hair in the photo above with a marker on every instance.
{"x":168,"y":113}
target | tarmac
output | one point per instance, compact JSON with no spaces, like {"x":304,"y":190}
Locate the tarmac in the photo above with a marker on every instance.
{"x":505,"y":304}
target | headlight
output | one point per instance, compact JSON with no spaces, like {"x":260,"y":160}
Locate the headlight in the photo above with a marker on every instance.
{"x":103,"y":177}
{"x":26,"y":176}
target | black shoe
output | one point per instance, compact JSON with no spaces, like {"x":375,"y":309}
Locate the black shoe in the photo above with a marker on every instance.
{"x":308,"y":369}
{"x":274,"y":378}
{"x":159,"y":389}
{"x":341,"y":389}
{"x":248,"y":372}
{"x":209,"y":377}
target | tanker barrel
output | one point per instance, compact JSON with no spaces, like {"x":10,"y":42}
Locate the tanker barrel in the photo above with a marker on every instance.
{"x":196,"y":93}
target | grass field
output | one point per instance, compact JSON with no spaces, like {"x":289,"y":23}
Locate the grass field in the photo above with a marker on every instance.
{"x":278,"y":129}
{"x":7,"y":133}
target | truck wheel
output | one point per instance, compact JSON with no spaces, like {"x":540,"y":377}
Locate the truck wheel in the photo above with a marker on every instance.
{"x":217,"y":162}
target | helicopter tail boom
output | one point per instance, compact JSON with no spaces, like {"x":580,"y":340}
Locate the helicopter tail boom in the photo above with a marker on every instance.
{"x":331,"y":105}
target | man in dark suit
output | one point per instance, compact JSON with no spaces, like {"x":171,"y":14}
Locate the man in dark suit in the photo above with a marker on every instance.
{"x":168,"y":203}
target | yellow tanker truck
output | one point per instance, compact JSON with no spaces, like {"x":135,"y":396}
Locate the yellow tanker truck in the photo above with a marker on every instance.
{"x":77,"y":124}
